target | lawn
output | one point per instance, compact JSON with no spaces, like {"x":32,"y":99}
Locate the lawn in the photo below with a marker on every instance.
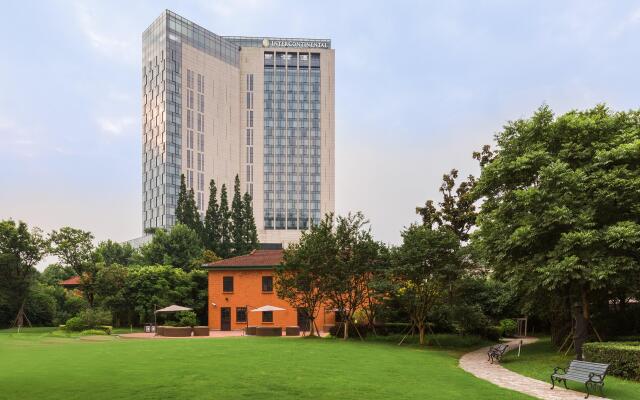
{"x":38,"y":365}
{"x":538,"y":360}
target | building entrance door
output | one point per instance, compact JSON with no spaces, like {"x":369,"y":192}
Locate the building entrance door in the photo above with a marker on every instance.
{"x":225,"y":319}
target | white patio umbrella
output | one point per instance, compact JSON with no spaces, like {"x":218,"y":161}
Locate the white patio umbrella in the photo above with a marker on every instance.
{"x":265,"y":308}
{"x":172,"y":308}
{"x":268,"y":308}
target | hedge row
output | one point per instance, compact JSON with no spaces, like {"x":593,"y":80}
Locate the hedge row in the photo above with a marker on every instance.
{"x":623,"y":357}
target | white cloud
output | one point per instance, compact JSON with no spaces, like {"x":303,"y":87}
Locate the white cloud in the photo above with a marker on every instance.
{"x":115,"y":126}
{"x":106,"y":37}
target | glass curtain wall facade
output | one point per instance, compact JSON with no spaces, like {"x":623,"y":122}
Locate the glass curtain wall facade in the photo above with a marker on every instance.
{"x":216,"y":106}
{"x":291,"y":139}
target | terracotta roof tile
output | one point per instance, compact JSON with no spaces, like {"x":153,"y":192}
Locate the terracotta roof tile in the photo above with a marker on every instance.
{"x":257,"y":258}
{"x":73,"y":281}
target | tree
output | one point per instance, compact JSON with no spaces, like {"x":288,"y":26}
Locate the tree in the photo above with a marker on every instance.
{"x":237,"y":221}
{"x":225,"y":228}
{"x":249,"y":231}
{"x":110,"y":252}
{"x":181,"y":205}
{"x":356,"y":256}
{"x":560,"y":216}
{"x":20,"y":250}
{"x":179,"y":247}
{"x":298,"y":280}
{"x":54,"y":274}
{"x":457,"y":208}
{"x":212,"y":221}
{"x":74,"y":249}
{"x":419,"y":269}
{"x":187,"y":210}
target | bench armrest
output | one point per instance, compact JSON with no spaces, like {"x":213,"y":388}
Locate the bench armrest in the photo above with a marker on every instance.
{"x":599,"y":377}
{"x":556,"y":369}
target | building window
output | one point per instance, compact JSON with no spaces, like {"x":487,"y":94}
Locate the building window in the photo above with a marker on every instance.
{"x":267,"y":316}
{"x":227,"y":284}
{"x":267,"y":283}
{"x":241,"y":314}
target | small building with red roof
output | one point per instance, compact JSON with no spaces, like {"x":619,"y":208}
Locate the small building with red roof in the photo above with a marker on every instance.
{"x":240,"y":284}
{"x":71,"y":283}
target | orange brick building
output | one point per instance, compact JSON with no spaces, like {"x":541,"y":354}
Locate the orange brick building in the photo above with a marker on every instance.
{"x":240,"y":284}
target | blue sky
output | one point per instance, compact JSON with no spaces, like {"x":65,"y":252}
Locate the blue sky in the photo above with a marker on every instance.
{"x":419,"y":86}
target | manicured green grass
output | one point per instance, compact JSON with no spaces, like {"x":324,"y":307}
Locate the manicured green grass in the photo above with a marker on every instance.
{"x":41,"y":366}
{"x":538,"y":360}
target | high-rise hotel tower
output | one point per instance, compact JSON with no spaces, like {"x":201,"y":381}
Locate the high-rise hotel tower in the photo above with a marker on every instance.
{"x":259,"y":107}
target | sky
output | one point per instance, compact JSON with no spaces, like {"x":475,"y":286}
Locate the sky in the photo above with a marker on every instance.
{"x":419,"y":87}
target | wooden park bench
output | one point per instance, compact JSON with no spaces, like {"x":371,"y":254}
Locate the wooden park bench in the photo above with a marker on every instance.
{"x":590,"y":373}
{"x":496,"y":352}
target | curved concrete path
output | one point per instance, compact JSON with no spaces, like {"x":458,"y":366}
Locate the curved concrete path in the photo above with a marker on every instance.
{"x":476,"y":363}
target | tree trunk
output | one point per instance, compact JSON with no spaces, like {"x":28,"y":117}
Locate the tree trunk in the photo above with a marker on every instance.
{"x":585,"y":304}
{"x":421,"y":330}
{"x":312,"y":323}
{"x":346,"y":329}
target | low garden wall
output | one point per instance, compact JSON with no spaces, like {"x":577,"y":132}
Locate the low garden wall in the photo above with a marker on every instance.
{"x":623,"y":357}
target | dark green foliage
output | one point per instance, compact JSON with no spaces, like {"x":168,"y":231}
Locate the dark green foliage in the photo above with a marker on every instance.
{"x":492,"y":333}
{"x":187,"y":318}
{"x":457,"y":208}
{"x":230,"y":232}
{"x":623,"y":357}
{"x":20,"y":250}
{"x":74,"y":248}
{"x":250,"y":233}
{"x":74,"y":324}
{"x":178,"y":247}
{"x":181,"y":205}
{"x":422,"y":268}
{"x":225,"y":226}
{"x":54,"y":274}
{"x":110,"y":252}
{"x":560,"y":217}
{"x":212,"y":220}
{"x":509,"y":327}
{"x":41,"y":306}
{"x":186,"y":209}
{"x":237,"y":221}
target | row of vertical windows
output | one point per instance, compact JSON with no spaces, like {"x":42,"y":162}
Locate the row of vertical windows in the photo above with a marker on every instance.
{"x":291,"y":140}
{"x":249,"y":142}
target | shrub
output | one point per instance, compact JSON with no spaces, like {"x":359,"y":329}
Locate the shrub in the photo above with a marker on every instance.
{"x":106,"y":329}
{"x":92,"y":332}
{"x":75,"y":324}
{"x":187,"y":318}
{"x":493,"y":333}
{"x":623,"y":357}
{"x":509,"y":327}
{"x":95,"y":317}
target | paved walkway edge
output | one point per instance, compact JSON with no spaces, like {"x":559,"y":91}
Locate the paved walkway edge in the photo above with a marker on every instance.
{"x":477,"y":364}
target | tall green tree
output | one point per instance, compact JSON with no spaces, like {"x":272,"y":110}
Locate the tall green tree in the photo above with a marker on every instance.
{"x":181,"y":215}
{"x":180,"y":247}
{"x":419,"y":270}
{"x":21,"y":249}
{"x":237,"y":221}
{"x":225,"y":225}
{"x":74,"y":248}
{"x":356,"y":256}
{"x":561,"y":205}
{"x":212,"y":221}
{"x":250,"y":231}
{"x":457,"y":208}
{"x":299,"y":279}
{"x":110,"y":252}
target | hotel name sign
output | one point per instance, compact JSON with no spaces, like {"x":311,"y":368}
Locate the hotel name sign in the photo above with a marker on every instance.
{"x":320,"y":44}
